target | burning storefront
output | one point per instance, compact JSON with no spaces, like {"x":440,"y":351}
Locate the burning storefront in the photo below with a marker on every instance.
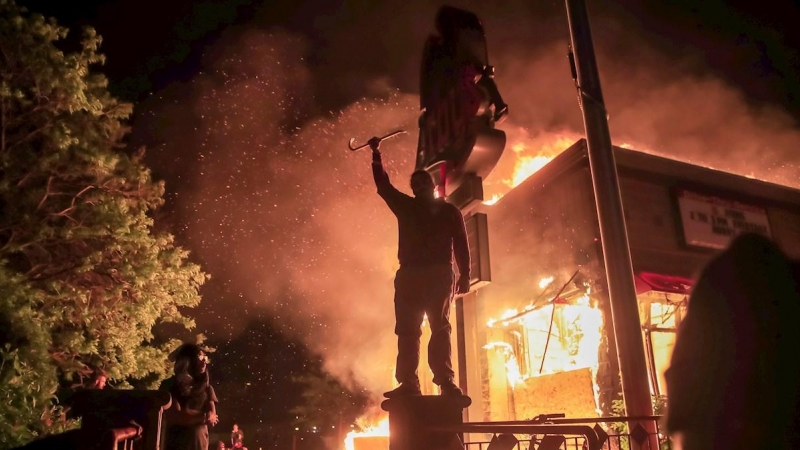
{"x":538,"y":337}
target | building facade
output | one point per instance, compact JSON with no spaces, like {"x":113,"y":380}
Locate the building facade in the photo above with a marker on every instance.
{"x":538,"y":338}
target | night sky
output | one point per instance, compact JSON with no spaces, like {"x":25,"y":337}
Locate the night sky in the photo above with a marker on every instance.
{"x":246,"y":107}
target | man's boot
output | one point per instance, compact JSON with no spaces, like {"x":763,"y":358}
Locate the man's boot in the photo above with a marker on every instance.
{"x":404,"y":390}
{"x":449,"y":387}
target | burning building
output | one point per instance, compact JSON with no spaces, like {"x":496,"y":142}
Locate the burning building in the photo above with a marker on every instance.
{"x":537,"y":338}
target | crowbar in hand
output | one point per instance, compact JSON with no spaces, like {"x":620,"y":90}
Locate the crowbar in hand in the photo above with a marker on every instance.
{"x":388,"y":136}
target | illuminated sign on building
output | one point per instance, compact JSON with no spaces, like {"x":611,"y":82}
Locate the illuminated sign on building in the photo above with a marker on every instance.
{"x":712,"y":222}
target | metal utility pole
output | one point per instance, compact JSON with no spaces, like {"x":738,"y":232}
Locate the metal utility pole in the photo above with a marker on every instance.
{"x":616,"y":250}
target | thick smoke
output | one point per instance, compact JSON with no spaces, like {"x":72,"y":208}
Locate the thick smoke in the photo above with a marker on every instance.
{"x":282,"y":214}
{"x":286,"y":219}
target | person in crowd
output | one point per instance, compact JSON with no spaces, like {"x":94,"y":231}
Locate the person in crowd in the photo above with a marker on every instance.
{"x":733,"y":378}
{"x":237,"y":437}
{"x":99,"y":380}
{"x":193,"y":400}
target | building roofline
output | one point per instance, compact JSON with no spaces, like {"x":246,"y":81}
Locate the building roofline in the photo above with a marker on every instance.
{"x":636,"y":164}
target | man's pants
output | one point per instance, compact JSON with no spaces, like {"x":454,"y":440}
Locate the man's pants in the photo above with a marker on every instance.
{"x":419,"y":291}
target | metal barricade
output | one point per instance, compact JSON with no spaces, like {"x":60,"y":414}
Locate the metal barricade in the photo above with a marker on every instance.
{"x":604,"y":433}
{"x":542,"y":437}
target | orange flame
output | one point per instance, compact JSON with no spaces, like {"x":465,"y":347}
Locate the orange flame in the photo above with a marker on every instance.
{"x":513,"y":372}
{"x":526,"y":157}
{"x":573,"y":344}
{"x":380,"y":429}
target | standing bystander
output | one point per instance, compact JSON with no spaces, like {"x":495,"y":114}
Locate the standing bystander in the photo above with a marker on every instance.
{"x":237,"y":437}
{"x":193,"y":401}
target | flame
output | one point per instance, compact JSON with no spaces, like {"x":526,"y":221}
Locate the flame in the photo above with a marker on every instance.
{"x":513,"y":372}
{"x":381,"y":429}
{"x":495,"y":198}
{"x":573,"y":344}
{"x":527,"y":166}
{"x":504,"y":316}
{"x":527,"y":156}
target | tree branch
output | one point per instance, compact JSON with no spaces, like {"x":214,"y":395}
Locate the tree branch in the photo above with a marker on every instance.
{"x":46,"y":192}
{"x":30,"y":135}
{"x":42,"y":276}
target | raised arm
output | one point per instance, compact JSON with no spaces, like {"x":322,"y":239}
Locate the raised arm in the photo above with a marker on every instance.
{"x":461,"y":252}
{"x":389,"y":193}
{"x":379,"y":173}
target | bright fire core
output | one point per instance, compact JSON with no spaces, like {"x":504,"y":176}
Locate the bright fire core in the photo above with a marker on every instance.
{"x":381,"y":429}
{"x":575,"y":336}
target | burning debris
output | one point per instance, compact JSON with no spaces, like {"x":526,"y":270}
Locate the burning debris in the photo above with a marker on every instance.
{"x":371,"y":437}
{"x":548,"y":338}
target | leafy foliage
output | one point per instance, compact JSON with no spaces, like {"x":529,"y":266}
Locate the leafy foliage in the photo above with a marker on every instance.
{"x":84,"y":278}
{"x":619,"y":429}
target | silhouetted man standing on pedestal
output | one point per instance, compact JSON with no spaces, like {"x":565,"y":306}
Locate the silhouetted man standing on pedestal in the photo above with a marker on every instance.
{"x":431,"y":231}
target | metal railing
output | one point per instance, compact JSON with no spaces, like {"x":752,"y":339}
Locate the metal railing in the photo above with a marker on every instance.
{"x":551,"y":432}
{"x":550,"y":436}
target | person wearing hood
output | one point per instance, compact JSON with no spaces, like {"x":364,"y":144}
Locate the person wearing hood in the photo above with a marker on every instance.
{"x":193,"y":400}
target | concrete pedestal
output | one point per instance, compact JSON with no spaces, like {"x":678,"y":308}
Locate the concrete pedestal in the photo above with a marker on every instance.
{"x":411,"y":419}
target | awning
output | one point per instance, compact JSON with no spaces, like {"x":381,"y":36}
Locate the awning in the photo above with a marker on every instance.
{"x":649,"y":281}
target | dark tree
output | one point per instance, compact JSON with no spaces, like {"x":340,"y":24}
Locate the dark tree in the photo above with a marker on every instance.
{"x":327,"y":406}
{"x":84,"y":277}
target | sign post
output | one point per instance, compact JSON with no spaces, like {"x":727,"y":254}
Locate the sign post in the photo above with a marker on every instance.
{"x":614,"y":236}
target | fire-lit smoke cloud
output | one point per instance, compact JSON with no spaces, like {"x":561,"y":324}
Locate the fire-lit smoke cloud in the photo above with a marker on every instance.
{"x":657,"y":106}
{"x":697,"y":118}
{"x":282,"y":214}
{"x":286,"y":219}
